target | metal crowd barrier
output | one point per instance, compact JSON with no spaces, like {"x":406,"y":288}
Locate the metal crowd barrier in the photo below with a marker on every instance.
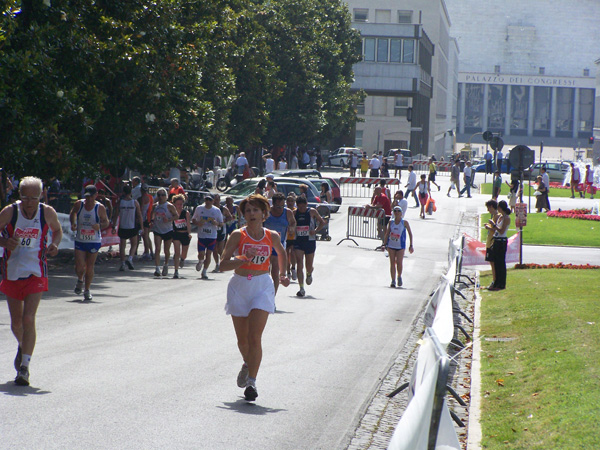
{"x":363,"y":223}
{"x":363,"y":187}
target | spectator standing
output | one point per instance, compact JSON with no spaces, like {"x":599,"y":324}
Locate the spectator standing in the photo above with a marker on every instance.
{"x":500,"y":228}
{"x":242,"y":165}
{"x":353,"y":164}
{"x":488,"y":162}
{"x":432,"y":173}
{"x":455,"y":178}
{"x":269,"y":163}
{"x":496,"y":185}
{"x":398,"y":161}
{"x":492,"y":207}
{"x":589,"y":180}
{"x":411,"y":185}
{"x":364,"y":165}
{"x":400,"y":201}
{"x":319,"y":159}
{"x":374,"y":165}
{"x":175,"y":189}
{"x":575,"y":180}
{"x":514,"y":192}
{"x":136,"y":189}
{"x":541,"y":194}
{"x":305,"y":159}
{"x":282,"y":165}
{"x":381,"y":201}
{"x":467,"y":174}
{"x":546,"y":180}
{"x":499,"y":158}
{"x":294,"y":161}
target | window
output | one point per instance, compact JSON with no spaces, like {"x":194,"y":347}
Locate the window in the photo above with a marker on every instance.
{"x":369,"y":51}
{"x":361,"y":15}
{"x":586,"y":72}
{"x":401,"y":105}
{"x":382,"y":50}
{"x":358,"y":139}
{"x":396,"y":50}
{"x":496,"y":69}
{"x":383,"y":16}
{"x":409,"y":51}
{"x":379,"y":106}
{"x":542,"y":70}
{"x":542,"y":99}
{"x":360,"y":108}
{"x":404,"y":16}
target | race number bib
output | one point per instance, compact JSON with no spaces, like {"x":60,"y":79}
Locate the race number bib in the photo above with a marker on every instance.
{"x":262,"y":253}
{"x":180,"y":223}
{"x":29,"y":237}
{"x":394,"y":237}
{"x":303,"y":231}
{"x":86,"y":234}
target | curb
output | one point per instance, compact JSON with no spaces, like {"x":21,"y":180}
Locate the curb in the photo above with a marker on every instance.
{"x":474,"y":426}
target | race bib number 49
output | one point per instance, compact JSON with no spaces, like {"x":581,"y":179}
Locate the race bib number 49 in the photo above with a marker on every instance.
{"x":27,"y":237}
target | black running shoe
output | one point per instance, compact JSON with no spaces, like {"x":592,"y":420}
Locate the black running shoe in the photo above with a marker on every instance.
{"x":23,"y":377}
{"x":250,"y":393}
{"x":18,"y":359}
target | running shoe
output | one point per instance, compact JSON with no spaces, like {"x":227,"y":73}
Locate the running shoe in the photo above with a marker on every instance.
{"x":242,"y":378}
{"x":18,"y":359}
{"x":157,"y":273}
{"x":87,"y":296}
{"x":198,"y":266}
{"x":22,"y":378}
{"x":181,"y":263}
{"x":165,"y":270}
{"x":301,"y":293}
{"x":216,"y":269}
{"x":130,"y":265}
{"x":204,"y":276}
{"x":176,"y":274}
{"x":123,"y":266}
{"x":294,"y":275}
{"x":393,"y":284}
{"x":250,"y":393}
{"x":309,"y":278}
{"x":78,"y":287}
{"x":399,"y":281}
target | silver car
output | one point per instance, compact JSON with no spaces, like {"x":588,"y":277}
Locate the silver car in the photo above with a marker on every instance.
{"x":557,"y":171}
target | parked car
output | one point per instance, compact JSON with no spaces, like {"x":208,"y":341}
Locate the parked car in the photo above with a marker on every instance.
{"x":297,"y":173}
{"x":557,"y":171}
{"x":480,"y":167}
{"x":390,"y":156}
{"x":341,"y":156}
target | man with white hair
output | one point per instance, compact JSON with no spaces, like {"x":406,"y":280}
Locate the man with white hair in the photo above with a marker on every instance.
{"x":24,"y":228}
{"x":242,"y":164}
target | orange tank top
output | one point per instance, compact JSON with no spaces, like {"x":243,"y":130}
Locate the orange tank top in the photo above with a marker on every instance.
{"x":261,"y":261}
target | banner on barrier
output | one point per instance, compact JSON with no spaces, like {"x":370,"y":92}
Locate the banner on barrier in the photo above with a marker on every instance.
{"x":109,"y":235}
{"x":474,"y":251}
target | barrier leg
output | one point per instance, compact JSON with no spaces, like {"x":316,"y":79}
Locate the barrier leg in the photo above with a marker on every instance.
{"x":463,"y":332}
{"x":397,"y":391}
{"x":454,"y":394}
{"x":456,"y":419}
{"x":348,"y":239}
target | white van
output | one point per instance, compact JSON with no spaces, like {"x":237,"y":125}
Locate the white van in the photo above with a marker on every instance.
{"x":341,"y":156}
{"x":390,"y":157}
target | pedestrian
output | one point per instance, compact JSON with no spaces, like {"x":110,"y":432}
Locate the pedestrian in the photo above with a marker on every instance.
{"x":488,"y":161}
{"x":411,"y":185}
{"x":294,"y":162}
{"x":400,"y":201}
{"x":130,"y":215}
{"x":163,"y":215}
{"x":136,"y":188}
{"x":282,"y":165}
{"x":308,"y":223}
{"x":541,"y":195}
{"x":364,"y":165}
{"x":589,"y":181}
{"x":433,"y":173}
{"x":424,"y":192}
{"x":305,"y":159}
{"x":499,"y":159}
{"x":395,"y":242}
{"x":353,"y":164}
{"x":24,"y":227}
{"x":280,"y":219}
{"x":88,"y":217}
{"x":496,"y":185}
{"x":374,"y":166}
{"x":513,"y":193}
{"x":269,"y":163}
{"x":492,"y":207}
{"x":319,"y":159}
{"x":231,"y":224}
{"x":182,"y":233}
{"x":290,"y":203}
{"x":147,"y":203}
{"x":384,"y":189}
{"x":455,"y":178}
{"x":381,"y":201}
{"x":499,"y":247}
{"x":207,"y":218}
{"x":575,"y":181}
{"x":384,"y":170}
{"x":325,"y":194}
{"x":467,"y":173}
{"x":546,"y":180}
{"x":251,"y":293}
{"x":242,"y":166}
{"x":398,"y":161}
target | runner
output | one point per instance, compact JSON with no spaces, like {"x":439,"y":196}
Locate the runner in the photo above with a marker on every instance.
{"x":147,"y":203}
{"x":305,"y":244}
{"x":231,"y":224}
{"x":424,"y":192}
{"x":163,"y":214}
{"x":250,"y":293}
{"x":432,"y":173}
{"x":221,"y":231}
{"x":290,"y":203}
{"x":280,"y":219}
{"x":411,"y":185}
{"x":88,"y":217}
{"x":24,"y":228}
{"x":182,"y":233}
{"x":395,"y":239}
{"x":128,"y":211}
{"x":207,"y":218}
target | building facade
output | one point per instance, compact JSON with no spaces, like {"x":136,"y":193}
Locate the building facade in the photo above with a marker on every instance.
{"x":527,"y":71}
{"x":409,"y":70}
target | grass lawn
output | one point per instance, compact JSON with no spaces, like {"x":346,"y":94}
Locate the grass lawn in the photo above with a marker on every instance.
{"x":544,"y":230}
{"x":486,"y":188}
{"x":540,"y":387}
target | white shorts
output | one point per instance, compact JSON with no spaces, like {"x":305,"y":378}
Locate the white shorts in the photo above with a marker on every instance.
{"x":244,"y":295}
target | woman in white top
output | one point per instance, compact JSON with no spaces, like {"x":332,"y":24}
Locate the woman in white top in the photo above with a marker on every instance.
{"x":424,"y":193}
{"x":282,"y":165}
{"x":395,"y":242}
{"x":500,"y":227}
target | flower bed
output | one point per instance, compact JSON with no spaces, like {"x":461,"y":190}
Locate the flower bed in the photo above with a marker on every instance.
{"x":559,"y":265}
{"x":583,"y":214}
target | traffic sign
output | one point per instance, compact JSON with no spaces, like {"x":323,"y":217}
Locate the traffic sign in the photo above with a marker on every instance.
{"x":487,"y":136}
{"x":521,"y":157}
{"x":497,"y":143}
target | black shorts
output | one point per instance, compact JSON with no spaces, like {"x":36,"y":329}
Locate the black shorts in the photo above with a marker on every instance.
{"x":431,"y":176}
{"x":168,"y":236}
{"x":127,"y":233}
{"x":307,"y":247}
{"x":184,"y":238}
{"x":146,"y":224}
{"x":289,"y":243}
{"x":221,"y":235}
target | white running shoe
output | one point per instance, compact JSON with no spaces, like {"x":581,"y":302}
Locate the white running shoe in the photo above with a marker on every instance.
{"x":309,"y":279}
{"x":204,"y":276}
{"x":78,"y":287}
{"x":87,"y":296}
{"x":294,"y":275}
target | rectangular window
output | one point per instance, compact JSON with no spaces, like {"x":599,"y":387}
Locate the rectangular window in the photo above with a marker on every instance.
{"x":401,"y":106}
{"x":586,"y":110}
{"x":542,"y":99}
{"x":542,"y":70}
{"x":496,"y":69}
{"x":473,"y":105}
{"x":379,"y":106}
{"x":396,"y":50}
{"x":383,"y":16}
{"x":361,"y":15}
{"x":408,"y":55}
{"x":382,"y":50}
{"x":358,"y":139}
{"x":519,"y":106}
{"x":360,"y":108}
{"x":586,"y":72}
{"x":404,"y":16}
{"x":496,"y":106}
{"x":369,"y":50}
{"x":564,"y":110}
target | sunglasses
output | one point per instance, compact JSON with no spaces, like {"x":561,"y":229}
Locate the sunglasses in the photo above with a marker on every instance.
{"x":161,"y":195}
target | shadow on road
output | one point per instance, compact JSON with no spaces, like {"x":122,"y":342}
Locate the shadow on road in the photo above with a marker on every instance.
{"x":10,"y":388}
{"x":244,"y":407}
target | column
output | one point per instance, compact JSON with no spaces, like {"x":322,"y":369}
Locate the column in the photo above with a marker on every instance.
{"x":576,"y":114}
{"x":462,"y":103}
{"x":553,"y":102}
{"x":530,"y":112}
{"x":484,"y":118}
{"x":507,"y":115}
